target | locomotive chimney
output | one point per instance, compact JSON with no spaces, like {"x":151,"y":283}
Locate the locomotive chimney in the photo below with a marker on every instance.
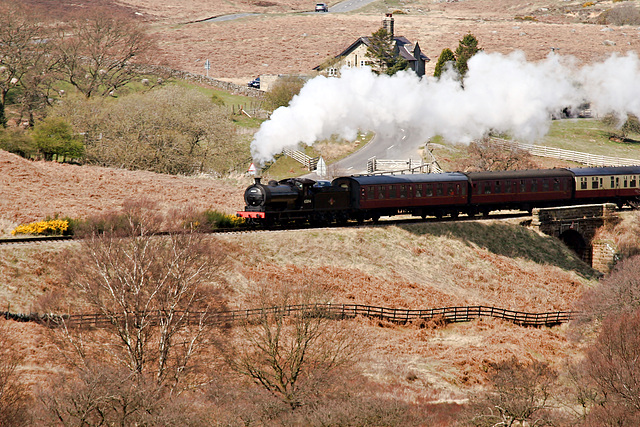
{"x":387,"y":23}
{"x":257,"y":178}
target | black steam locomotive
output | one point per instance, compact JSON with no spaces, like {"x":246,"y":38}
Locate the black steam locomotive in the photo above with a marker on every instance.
{"x":369,"y":197}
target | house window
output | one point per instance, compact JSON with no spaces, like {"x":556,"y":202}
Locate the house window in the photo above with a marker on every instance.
{"x":349,"y":64}
{"x":332,"y":71}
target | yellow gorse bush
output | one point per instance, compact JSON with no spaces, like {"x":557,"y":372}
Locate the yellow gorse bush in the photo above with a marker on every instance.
{"x":50,"y":227}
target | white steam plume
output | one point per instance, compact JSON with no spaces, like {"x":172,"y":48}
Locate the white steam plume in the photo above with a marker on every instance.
{"x":503,"y":93}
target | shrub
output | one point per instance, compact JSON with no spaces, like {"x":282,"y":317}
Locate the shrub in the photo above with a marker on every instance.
{"x":214,"y":219}
{"x":588,"y":4}
{"x":623,"y":14}
{"x":50,"y":227}
{"x":17,"y":142}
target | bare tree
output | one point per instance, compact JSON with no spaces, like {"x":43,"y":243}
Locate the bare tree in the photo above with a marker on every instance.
{"x":484,"y":155}
{"x":520,"y":393}
{"x":616,"y":293}
{"x":24,"y":54}
{"x":291,"y":347}
{"x":14,"y":397}
{"x":158,"y":291}
{"x":611,"y":366}
{"x":101,"y":394}
{"x":97,"y":51}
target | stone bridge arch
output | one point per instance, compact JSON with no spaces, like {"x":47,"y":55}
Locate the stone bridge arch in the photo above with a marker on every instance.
{"x":576,"y":226}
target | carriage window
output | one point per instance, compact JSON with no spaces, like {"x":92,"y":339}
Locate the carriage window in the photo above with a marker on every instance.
{"x":381,"y":190}
{"x":410,"y":190}
{"x":633,"y":181}
{"x":419,"y":190}
{"x":449,"y":189}
{"x":487,"y":188}
{"x":534,"y":185}
{"x":429,"y":190}
{"x":624,"y":182}
{"x":497,"y":188}
{"x":464,"y":190}
{"x":439,"y":190}
{"x":594,"y":183}
{"x":523,"y":186}
{"x":403,"y":191}
{"x":545,"y":185}
{"x":457,"y":189}
{"x":507,"y":188}
{"x":392,"y":192}
{"x":556,"y":184}
{"x":583,"y":183}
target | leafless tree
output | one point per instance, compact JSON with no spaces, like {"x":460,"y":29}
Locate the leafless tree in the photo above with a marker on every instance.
{"x":290,"y":347}
{"x":520,"y":392}
{"x":613,"y":373}
{"x":158,"y":291}
{"x":97,"y":51}
{"x":618,"y":292}
{"x":101,"y":394}
{"x":25,"y":59}
{"x":14,"y":397}
{"x":484,"y":155}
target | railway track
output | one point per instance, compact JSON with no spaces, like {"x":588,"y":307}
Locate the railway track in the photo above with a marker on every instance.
{"x":26,"y":240}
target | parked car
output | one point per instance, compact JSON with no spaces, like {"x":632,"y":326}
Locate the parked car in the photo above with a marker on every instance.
{"x":322,"y":7}
{"x":254,"y":83}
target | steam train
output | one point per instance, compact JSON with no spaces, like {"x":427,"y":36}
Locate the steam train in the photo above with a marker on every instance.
{"x":369,"y":197}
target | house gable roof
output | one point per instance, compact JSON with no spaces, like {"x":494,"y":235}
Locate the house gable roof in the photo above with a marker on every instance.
{"x":405,"y":49}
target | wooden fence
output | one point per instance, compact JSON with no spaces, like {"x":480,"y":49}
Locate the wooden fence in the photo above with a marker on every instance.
{"x":574,"y":156}
{"x":331,"y":311}
{"x":311,"y":163}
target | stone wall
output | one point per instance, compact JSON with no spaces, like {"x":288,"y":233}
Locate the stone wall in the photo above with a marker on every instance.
{"x":199,"y":78}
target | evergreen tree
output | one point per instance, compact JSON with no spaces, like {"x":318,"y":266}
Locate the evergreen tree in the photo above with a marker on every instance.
{"x":445,"y":56}
{"x":382,"y":52}
{"x":467,"y":47}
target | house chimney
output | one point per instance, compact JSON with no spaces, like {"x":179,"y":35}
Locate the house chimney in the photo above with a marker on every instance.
{"x":387,"y":23}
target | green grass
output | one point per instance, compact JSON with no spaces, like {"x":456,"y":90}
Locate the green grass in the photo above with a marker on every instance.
{"x":589,"y":136}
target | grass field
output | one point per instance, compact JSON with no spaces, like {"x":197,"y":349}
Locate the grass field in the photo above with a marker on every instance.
{"x":590,"y":136}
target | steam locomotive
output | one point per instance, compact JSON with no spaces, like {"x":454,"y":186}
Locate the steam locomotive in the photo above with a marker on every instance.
{"x":369,"y":197}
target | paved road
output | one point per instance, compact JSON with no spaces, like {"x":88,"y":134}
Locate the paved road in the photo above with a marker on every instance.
{"x":349,"y":5}
{"x":342,"y":7}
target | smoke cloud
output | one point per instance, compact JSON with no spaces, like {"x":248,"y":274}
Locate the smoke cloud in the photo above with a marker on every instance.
{"x":503,"y":93}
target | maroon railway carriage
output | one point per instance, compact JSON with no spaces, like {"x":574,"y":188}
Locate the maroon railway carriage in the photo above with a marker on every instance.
{"x":620,"y":185}
{"x":373,"y":196}
{"x":522,"y":190}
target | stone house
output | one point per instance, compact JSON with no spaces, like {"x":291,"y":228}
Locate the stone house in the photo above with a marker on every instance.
{"x":356,"y":54}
